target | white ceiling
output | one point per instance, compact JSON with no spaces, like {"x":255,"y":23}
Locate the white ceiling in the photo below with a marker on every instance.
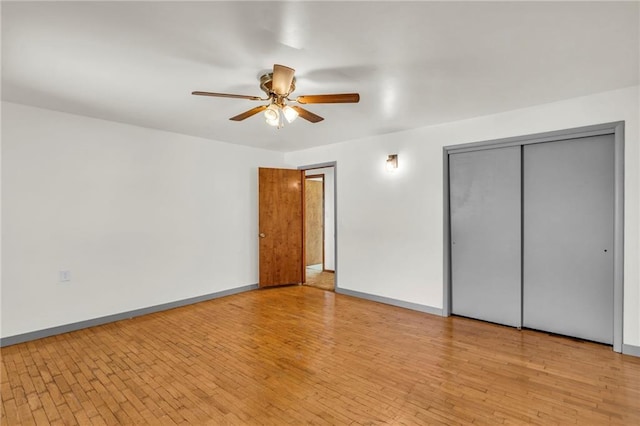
{"x":414,"y":64}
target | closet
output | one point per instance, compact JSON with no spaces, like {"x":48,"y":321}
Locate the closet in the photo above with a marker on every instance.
{"x":485,"y":234}
{"x":532,"y":235}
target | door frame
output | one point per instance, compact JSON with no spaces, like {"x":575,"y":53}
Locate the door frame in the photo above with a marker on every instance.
{"x":333,"y":164}
{"x":613,"y":128}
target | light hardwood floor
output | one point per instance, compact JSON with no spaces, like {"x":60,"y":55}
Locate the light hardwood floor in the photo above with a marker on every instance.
{"x":298,"y":355}
{"x":320,"y":279}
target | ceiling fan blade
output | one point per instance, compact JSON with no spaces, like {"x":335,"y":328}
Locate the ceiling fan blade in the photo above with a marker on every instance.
{"x":227,"y":95}
{"x":247,"y":114}
{"x":307,"y":115}
{"x":282,"y":79}
{"x":341,"y":98}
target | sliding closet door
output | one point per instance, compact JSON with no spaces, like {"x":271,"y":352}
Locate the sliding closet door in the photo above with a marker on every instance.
{"x":484,"y":190}
{"x":568,"y":237}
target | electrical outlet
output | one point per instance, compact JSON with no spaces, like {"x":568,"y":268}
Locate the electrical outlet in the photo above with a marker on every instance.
{"x":64,"y":276}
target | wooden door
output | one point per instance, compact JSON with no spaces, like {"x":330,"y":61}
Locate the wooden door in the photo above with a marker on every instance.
{"x":281,"y":226}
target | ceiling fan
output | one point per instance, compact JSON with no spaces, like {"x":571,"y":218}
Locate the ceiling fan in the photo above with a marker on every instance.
{"x":278,"y":86}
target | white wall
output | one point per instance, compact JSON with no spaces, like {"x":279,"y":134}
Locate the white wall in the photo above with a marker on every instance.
{"x":390,"y":226}
{"x":140,"y":217}
{"x":143,"y":217}
{"x":329,"y":215}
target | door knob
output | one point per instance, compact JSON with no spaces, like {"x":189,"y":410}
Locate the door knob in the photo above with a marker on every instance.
{"x":262,"y":235}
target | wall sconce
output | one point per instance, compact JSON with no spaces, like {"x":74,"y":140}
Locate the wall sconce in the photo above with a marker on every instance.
{"x":392,"y":163}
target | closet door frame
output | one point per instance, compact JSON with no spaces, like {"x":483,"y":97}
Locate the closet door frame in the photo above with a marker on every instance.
{"x":614,"y":128}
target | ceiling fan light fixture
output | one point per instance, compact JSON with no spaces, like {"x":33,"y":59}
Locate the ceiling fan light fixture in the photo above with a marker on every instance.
{"x":289,"y":113}
{"x":273,"y":122}
{"x":272,"y":115}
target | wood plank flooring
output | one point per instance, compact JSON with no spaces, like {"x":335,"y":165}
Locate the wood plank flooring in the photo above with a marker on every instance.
{"x":320,"y":279}
{"x":299,"y":355}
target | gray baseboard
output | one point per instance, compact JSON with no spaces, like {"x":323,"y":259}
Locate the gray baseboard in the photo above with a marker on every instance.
{"x":39,"y":334}
{"x":631,"y":350}
{"x":390,"y":301}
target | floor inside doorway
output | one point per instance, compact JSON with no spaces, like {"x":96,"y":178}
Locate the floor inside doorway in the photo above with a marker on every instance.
{"x":320,"y":279}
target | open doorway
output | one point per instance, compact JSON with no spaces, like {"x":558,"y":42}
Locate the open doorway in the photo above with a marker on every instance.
{"x":314,"y":222}
{"x":320,"y":227}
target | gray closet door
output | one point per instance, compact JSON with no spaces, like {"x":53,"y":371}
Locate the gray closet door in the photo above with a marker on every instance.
{"x":568,"y":237}
{"x":485,"y":208}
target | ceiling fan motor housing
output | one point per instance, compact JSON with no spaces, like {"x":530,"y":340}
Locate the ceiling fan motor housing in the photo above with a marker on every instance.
{"x":266,"y":85}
